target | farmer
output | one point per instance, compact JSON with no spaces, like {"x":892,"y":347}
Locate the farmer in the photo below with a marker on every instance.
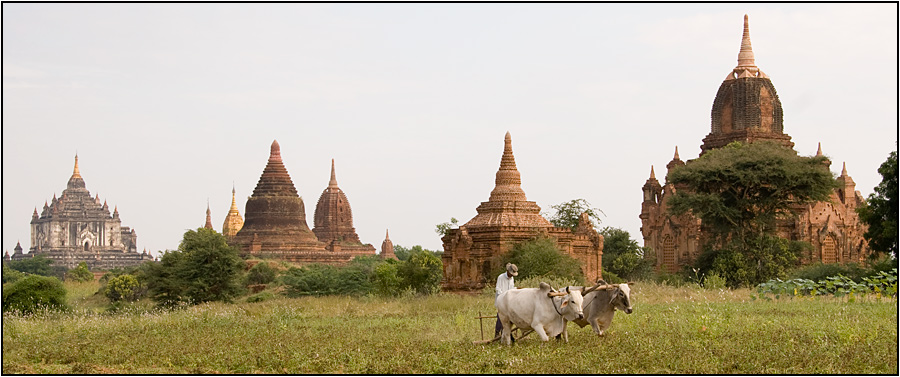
{"x":505,"y":282}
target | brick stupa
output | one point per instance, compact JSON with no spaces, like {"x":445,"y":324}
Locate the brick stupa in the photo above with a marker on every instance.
{"x":472,"y":253}
{"x":275,"y":218}
{"x":333,"y":221}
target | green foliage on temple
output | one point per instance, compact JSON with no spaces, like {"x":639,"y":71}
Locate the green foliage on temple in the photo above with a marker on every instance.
{"x":33,"y":294}
{"x":566,"y":215}
{"x":881,"y":211}
{"x":261,"y":273}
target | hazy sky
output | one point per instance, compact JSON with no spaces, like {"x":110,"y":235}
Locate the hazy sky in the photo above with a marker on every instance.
{"x":167,"y":105}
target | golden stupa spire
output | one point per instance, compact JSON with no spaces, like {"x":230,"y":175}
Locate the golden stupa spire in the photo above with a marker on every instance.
{"x":76,"y":173}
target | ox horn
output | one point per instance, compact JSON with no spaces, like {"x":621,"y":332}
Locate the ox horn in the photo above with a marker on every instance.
{"x":556,"y":294}
{"x":601,"y":284}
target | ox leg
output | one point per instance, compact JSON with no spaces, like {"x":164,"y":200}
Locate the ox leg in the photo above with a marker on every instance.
{"x":506,"y":334}
{"x":539,"y":329}
{"x":598,"y":327}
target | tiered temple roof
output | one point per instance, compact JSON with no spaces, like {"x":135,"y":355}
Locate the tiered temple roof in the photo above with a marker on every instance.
{"x":275,"y":217}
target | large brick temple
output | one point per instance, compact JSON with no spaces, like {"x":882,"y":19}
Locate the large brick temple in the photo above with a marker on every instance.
{"x":275,"y":221}
{"x":473,"y":251}
{"x":78,"y":228}
{"x":747,"y":109}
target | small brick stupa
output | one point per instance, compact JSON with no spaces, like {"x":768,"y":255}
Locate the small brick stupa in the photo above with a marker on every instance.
{"x":333,"y":221}
{"x":473,"y":252}
{"x":275,"y":218}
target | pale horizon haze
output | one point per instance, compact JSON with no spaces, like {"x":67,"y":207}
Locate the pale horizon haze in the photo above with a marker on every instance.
{"x":169,"y":105}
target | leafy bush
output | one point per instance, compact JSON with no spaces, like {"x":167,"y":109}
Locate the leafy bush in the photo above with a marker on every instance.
{"x":422,"y":272}
{"x":819,"y":271}
{"x":541,"y":257}
{"x":123,"y":288}
{"x":768,"y":257}
{"x":204,"y":268}
{"x":34,"y":293}
{"x":881,"y":284}
{"x":387,"y":283}
{"x":81,"y":273}
{"x":321,"y":279}
{"x":10,"y":275}
{"x":714,"y":281}
{"x":260,"y":297}
{"x":261,"y":273}
{"x":612,"y":278}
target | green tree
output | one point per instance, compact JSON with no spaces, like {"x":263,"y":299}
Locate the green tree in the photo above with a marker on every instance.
{"x":623,"y":256}
{"x":10,"y":275}
{"x":123,"y":288}
{"x":387,"y":282}
{"x":37,"y":265}
{"x":81,"y":273}
{"x":881,"y":212}
{"x":34,"y":293}
{"x":261,"y":273}
{"x":204,"y":268}
{"x":541,"y":257}
{"x":567,"y":214}
{"x":401,"y":252}
{"x":739,"y":191}
{"x":422,"y":271}
{"x":443,"y":228}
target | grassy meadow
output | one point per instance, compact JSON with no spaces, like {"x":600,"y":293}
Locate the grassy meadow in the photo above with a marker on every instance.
{"x":672,"y":330}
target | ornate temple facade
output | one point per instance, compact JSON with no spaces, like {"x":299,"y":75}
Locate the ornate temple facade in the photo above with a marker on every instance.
{"x":275,"y":222}
{"x":233,"y":221}
{"x":473,"y":251}
{"x":78,"y":228}
{"x":747,"y":109}
{"x":333,"y":221}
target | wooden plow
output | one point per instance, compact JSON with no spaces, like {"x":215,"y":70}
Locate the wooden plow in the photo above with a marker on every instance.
{"x":514,"y":332}
{"x":601,"y":285}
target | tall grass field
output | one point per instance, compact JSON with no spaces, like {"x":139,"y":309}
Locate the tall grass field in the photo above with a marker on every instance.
{"x":672,"y":330}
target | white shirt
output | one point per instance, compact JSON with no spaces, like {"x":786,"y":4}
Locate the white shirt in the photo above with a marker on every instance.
{"x":504,"y":284}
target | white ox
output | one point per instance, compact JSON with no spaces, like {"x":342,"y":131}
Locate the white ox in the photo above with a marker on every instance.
{"x":539,"y":309}
{"x":600,"y":304}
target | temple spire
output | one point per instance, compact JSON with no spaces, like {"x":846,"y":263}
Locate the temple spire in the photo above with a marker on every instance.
{"x":275,"y":152}
{"x":745,"y":56}
{"x":844,"y":170}
{"x":386,"y":235}
{"x":333,"y":182}
{"x":819,"y":152}
{"x":75,"y":172}
{"x":208,"y":216}
{"x":652,"y":173}
{"x":508,"y":181}
{"x":676,"y":154}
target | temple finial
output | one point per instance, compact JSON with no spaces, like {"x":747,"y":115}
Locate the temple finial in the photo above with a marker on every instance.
{"x":745,"y":56}
{"x":386,"y":235}
{"x":333,"y":182}
{"x":652,"y":173}
{"x":819,"y":152}
{"x":676,"y":154}
{"x":275,"y":153}
{"x":76,"y":173}
{"x":844,"y":170}
{"x":208,"y":216}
